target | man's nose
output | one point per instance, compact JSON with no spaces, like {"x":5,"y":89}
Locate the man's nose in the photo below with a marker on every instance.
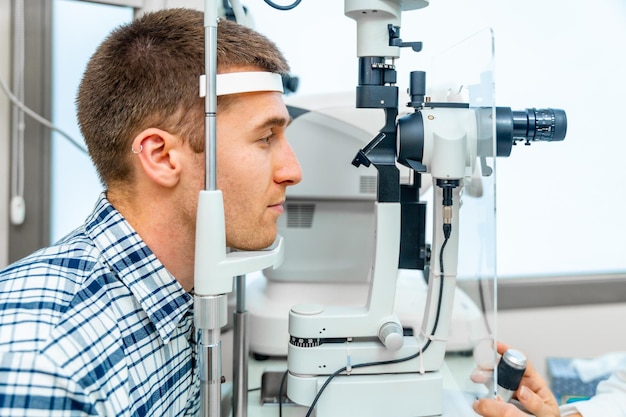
{"x":290,"y":171}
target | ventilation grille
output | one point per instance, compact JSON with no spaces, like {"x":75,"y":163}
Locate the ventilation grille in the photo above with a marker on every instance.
{"x":300,"y":215}
{"x":367,"y":184}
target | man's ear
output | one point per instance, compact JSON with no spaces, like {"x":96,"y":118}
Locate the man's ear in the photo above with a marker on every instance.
{"x":158,"y":154}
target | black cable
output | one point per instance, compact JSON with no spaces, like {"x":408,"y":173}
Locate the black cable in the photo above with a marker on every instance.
{"x":279,"y":7}
{"x":447,"y":231}
{"x":281,"y":394}
{"x":483,"y":304}
{"x":393,"y":361}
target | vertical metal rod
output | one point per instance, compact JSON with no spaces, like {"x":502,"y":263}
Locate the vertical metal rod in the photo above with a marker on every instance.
{"x":210,"y":106}
{"x":210,"y":366}
{"x":209,"y":335}
{"x":240,"y":355}
{"x":210,"y":315}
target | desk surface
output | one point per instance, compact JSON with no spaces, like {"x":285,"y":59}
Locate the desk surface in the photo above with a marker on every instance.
{"x":458,"y":395}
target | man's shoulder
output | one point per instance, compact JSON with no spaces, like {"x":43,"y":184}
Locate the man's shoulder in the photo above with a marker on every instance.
{"x":37,"y":291}
{"x":67,"y":261}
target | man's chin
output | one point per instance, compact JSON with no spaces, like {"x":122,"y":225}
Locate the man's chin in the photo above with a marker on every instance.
{"x":256,"y":244}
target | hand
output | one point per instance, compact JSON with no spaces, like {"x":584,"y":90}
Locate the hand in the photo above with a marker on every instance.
{"x":533,"y":394}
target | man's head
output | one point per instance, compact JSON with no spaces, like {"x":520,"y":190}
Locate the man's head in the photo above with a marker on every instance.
{"x":140,"y":91}
{"x":146,"y":74}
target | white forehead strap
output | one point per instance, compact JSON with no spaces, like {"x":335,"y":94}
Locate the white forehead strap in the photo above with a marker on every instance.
{"x":244,"y":82}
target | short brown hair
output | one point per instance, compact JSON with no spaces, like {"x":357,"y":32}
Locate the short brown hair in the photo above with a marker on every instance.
{"x":146,"y":74}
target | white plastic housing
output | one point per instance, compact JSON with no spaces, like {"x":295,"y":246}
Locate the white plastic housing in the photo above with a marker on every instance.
{"x":214,"y":268}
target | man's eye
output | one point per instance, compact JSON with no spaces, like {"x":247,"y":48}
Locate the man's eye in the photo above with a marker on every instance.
{"x":266,"y":140}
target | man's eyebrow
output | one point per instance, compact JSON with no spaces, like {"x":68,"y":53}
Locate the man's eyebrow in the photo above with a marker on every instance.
{"x":275,"y":121}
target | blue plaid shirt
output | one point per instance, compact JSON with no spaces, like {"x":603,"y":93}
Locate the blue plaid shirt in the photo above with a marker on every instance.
{"x":95,"y":325}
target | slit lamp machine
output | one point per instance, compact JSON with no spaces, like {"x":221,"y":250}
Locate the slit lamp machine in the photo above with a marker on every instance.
{"x":347,"y":360}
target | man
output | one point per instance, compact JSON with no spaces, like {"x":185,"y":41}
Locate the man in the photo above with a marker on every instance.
{"x":535,"y":397}
{"x":101,"y":322}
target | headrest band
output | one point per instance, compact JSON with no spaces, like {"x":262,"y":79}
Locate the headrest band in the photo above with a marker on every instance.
{"x":244,"y":82}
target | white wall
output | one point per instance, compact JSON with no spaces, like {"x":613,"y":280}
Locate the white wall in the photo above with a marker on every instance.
{"x":547,"y":54}
{"x":5,"y":47}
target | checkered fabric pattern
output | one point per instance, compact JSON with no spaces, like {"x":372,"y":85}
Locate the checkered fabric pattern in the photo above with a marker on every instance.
{"x":95,"y":325}
{"x":565,"y":382}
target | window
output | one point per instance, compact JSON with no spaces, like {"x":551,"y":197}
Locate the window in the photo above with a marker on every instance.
{"x":78,"y":28}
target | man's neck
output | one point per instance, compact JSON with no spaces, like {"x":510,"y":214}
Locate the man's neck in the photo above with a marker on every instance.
{"x":167,"y":238}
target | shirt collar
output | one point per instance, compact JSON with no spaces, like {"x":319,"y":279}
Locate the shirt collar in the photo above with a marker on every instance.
{"x":162,"y":298}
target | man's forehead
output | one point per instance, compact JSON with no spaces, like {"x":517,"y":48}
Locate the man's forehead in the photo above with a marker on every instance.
{"x":258,"y":110}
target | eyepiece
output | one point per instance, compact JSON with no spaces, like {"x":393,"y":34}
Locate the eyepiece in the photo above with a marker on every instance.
{"x":528,"y":125}
{"x":539,"y":124}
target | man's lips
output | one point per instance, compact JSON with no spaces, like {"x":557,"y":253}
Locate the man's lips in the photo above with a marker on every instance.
{"x":278,"y":206}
